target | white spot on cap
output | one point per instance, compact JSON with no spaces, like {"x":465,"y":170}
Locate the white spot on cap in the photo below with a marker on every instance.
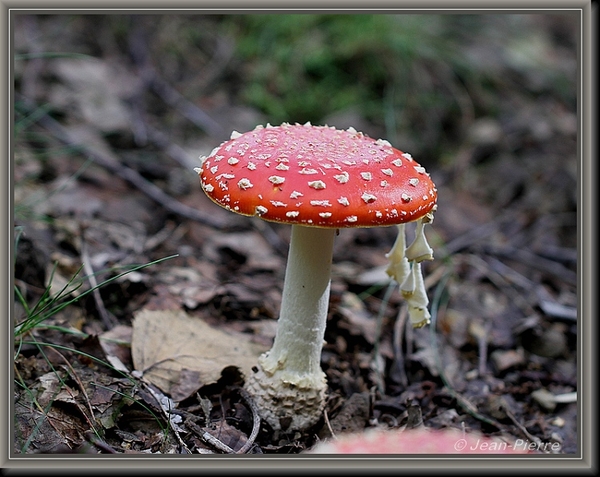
{"x":420,"y":169}
{"x":292,"y":213}
{"x":342,"y":178}
{"x":397,"y":162}
{"x":388,"y":172}
{"x":382,"y":142}
{"x":406,"y":198}
{"x":317,"y":184}
{"x":383,"y":183}
{"x":282,"y":167}
{"x":245,"y":184}
{"x":214,"y":169}
{"x":235,"y":134}
{"x":232,"y":161}
{"x":325,"y":215}
{"x":276,"y":180}
{"x":295,"y":194}
{"x":251,"y":166}
{"x":351,"y":218}
{"x":209,"y":188}
{"x":260,"y":210}
{"x":278,"y":203}
{"x":344,"y":201}
{"x":322,"y":203}
{"x":406,"y":155}
{"x":308,"y":171}
{"x":368,"y":197}
{"x":366,"y":176}
{"x":413,"y":181}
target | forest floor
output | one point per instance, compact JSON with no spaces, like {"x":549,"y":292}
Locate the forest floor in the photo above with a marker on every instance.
{"x":150,"y":297}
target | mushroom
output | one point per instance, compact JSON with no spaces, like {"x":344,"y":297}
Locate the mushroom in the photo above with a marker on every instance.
{"x":318,"y":179}
{"x":418,"y":441}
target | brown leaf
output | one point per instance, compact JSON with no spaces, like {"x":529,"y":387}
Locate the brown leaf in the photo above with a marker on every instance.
{"x":167,"y":342}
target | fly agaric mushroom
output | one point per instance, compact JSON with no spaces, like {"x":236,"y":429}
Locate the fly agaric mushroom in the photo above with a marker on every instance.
{"x":318,"y":179}
{"x":417,"y":441}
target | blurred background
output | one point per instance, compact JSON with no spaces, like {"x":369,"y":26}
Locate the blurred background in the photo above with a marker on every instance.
{"x":111,"y":113}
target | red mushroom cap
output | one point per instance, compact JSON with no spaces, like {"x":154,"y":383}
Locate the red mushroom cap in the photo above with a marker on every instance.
{"x":418,"y":441}
{"x":317,"y":175}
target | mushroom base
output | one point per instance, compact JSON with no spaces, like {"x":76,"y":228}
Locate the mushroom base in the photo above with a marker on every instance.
{"x":288,"y":402}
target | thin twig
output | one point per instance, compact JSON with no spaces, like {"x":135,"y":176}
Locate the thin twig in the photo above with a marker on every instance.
{"x":475,"y":235}
{"x":501,"y":283}
{"x":99,"y":443}
{"x":212,"y":440}
{"x":376,"y":360}
{"x":523,"y":429}
{"x":399,"y":366}
{"x":75,"y":377}
{"x":462,"y":401}
{"x":138,"y":48}
{"x":108,"y":318}
{"x":328,"y":424}
{"x":255,"y":422}
{"x":209,"y":438}
{"x":537,"y":262}
{"x":108,"y":162}
{"x":167,"y":414}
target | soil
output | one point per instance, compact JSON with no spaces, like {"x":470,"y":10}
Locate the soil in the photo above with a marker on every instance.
{"x":164,"y":300}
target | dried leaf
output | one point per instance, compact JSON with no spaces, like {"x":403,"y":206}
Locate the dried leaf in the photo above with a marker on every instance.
{"x":168,"y":345}
{"x":357,"y":318}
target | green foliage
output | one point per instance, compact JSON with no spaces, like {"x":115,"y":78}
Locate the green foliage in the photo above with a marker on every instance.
{"x":49,"y":304}
{"x":418,"y":77}
{"x":301,"y":67}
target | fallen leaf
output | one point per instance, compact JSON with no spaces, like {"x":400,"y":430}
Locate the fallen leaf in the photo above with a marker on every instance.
{"x":167,"y":345}
{"x":357,"y":318}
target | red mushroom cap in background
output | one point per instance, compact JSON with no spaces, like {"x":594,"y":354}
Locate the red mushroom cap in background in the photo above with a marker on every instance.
{"x":417,"y":441}
{"x":317,"y":175}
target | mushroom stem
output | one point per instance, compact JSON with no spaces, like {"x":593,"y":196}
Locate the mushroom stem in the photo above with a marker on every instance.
{"x":304,"y":304}
{"x":289,"y":385}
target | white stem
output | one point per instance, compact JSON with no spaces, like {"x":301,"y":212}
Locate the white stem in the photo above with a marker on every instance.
{"x":297,"y":347}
